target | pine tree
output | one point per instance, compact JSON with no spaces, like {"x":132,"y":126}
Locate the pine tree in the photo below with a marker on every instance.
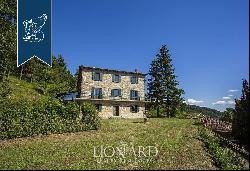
{"x":162,"y":86}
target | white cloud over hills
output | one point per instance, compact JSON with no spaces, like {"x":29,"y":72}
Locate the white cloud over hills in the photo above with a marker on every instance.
{"x":232,"y":91}
{"x":226,"y":98}
{"x":194,"y":102}
{"x":224,"y":102}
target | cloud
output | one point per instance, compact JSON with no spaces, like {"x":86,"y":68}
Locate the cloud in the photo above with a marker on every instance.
{"x":226,"y":98}
{"x":231,"y":102}
{"x":232,"y":91}
{"x":223,"y":102}
{"x":220,"y":102}
{"x":193,"y":101}
{"x":230,"y":95}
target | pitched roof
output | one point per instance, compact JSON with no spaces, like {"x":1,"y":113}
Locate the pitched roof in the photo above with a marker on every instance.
{"x":110,"y":70}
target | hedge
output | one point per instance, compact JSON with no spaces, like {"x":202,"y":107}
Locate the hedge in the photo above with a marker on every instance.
{"x":45,"y":116}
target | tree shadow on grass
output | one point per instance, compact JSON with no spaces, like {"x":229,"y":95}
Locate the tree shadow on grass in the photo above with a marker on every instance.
{"x":197,"y":123}
{"x":138,"y":122}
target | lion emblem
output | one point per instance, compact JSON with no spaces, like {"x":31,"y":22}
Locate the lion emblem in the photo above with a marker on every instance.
{"x":33,"y":29}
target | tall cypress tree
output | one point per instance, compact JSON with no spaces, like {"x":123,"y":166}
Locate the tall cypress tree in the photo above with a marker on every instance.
{"x":162,"y":84}
{"x":240,"y":127}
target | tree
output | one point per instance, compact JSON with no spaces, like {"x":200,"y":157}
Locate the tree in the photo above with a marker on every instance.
{"x":162,"y":85}
{"x":241,"y":116}
{"x":56,"y":79}
{"x":30,"y":69}
{"x":227,"y":115}
{"x":49,"y":80}
{"x":7,"y":38}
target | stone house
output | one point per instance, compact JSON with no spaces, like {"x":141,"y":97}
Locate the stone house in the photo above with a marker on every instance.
{"x":116,"y":94}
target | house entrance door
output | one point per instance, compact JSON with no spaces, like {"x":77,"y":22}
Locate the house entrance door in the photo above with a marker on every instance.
{"x":116,"y":110}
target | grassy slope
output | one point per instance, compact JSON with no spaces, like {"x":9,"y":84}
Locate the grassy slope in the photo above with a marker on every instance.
{"x":175,"y":139}
{"x":22,"y":89}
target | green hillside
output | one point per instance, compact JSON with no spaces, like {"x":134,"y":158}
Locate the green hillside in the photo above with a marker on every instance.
{"x":193,"y":109}
{"x":21,"y":89}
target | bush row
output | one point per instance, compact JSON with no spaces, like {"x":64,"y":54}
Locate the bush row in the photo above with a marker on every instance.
{"x":179,"y":113}
{"x":225,"y":158}
{"x":45,"y":116}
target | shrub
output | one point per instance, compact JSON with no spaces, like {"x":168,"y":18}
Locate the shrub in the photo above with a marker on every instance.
{"x":152,"y":112}
{"x":71,"y":111}
{"x":90,"y":116}
{"x":181,"y":114}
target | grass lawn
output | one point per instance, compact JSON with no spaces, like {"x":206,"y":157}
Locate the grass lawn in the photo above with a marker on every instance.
{"x":173,"y":140}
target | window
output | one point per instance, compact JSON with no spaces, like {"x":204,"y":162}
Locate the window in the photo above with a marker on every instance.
{"x":116,"y":78}
{"x":98,"y":107}
{"x":134,"y":95}
{"x":71,"y":96}
{"x":134,"y":108}
{"x":115,"y":92}
{"x":134,"y":79}
{"x":96,"y":93}
{"x":97,"y":76}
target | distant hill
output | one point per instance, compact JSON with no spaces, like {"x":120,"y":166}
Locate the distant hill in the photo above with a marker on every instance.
{"x":203,"y":110}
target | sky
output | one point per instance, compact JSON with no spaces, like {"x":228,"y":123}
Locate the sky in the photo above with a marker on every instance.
{"x":207,"y":39}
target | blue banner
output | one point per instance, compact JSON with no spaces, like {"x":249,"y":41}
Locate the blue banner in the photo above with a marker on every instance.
{"x":34,"y":31}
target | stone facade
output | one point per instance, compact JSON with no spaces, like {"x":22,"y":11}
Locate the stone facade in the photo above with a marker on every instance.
{"x":123,"y":105}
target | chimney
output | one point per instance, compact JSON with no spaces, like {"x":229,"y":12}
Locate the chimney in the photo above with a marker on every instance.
{"x":135,"y":70}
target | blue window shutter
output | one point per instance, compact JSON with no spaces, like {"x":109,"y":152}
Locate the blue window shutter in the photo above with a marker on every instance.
{"x":93,"y":75}
{"x":101,"y":76}
{"x":136,"y":80}
{"x":112,"y":92}
{"x":119,"y":79}
{"x":92,"y":91}
{"x":113,"y":78}
{"x":119,"y":92}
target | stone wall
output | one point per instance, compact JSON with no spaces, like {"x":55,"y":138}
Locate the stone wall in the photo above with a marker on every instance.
{"x":124,"y":110}
{"x":107,"y":85}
